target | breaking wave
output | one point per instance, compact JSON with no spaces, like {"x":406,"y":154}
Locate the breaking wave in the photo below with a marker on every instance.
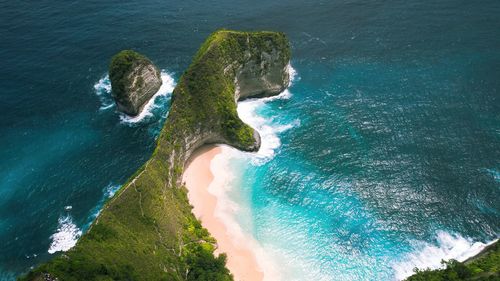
{"x":269,"y":131}
{"x":66,"y":235}
{"x":426,"y":255}
{"x":103,"y":91}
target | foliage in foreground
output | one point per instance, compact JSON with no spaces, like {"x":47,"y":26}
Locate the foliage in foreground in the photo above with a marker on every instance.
{"x":484,"y":267}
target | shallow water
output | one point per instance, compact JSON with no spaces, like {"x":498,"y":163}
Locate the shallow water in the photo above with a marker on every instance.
{"x":384,"y":154}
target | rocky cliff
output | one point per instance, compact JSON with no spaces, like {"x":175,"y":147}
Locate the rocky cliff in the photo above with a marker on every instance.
{"x":134,"y":80}
{"x":147,"y":231}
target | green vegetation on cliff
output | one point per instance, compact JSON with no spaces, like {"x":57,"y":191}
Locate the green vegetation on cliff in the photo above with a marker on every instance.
{"x":485,"y":266}
{"x":147,"y":231}
{"x":134,"y":80}
{"x":120,"y":65}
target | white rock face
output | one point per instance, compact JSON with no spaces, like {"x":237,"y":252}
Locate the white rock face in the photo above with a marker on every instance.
{"x":136,"y":82}
{"x":264,"y":76}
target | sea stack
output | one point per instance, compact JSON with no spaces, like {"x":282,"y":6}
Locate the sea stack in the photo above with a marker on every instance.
{"x":134,"y":80}
{"x":147,"y":230}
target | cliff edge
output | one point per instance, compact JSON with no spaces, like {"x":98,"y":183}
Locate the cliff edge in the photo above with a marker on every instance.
{"x":147,"y":231}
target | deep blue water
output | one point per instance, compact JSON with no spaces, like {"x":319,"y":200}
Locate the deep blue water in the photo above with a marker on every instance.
{"x":394,"y":145}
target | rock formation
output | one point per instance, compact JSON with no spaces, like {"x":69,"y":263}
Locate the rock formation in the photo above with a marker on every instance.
{"x":147,"y":231}
{"x":134,"y":80}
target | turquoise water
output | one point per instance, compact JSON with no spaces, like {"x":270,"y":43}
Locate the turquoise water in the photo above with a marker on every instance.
{"x":384,"y":156}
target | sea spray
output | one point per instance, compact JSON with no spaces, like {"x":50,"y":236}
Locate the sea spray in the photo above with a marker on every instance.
{"x":66,"y":235}
{"x":103,"y":91}
{"x":165,"y":90}
{"x":248,"y":112}
{"x":429,"y":255}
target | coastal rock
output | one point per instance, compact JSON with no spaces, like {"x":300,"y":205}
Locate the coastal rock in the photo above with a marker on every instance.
{"x":263,"y":75}
{"x":240,"y":65}
{"x":147,"y":231}
{"x":134,"y":80}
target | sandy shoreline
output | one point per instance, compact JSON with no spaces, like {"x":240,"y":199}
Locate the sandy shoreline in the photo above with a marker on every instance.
{"x":198,"y":176}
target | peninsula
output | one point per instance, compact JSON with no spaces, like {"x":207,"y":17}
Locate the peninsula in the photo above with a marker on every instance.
{"x":147,"y":230}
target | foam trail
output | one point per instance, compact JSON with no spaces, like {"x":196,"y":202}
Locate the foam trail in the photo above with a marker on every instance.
{"x":167,"y":87}
{"x":108,"y":192}
{"x":449,"y":246}
{"x":66,"y":235}
{"x":103,"y":91}
{"x":270,"y":141}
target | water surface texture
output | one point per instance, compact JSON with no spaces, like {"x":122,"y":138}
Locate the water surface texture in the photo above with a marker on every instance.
{"x":383,"y":155}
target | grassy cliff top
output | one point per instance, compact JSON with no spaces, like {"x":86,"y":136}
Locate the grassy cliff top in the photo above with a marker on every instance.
{"x":120,"y":66}
{"x":147,"y":231}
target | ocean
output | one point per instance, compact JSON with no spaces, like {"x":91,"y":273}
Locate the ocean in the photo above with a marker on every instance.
{"x":382,"y":156}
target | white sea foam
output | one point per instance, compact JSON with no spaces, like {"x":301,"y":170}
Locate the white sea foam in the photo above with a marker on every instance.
{"x":103,"y":91}
{"x":108,"y":192}
{"x":66,"y":235}
{"x":293,"y":74}
{"x":166,"y":89}
{"x":270,"y":141}
{"x":229,"y":208}
{"x":448,"y":246}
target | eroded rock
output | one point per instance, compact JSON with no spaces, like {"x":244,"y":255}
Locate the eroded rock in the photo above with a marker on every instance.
{"x":134,"y":81}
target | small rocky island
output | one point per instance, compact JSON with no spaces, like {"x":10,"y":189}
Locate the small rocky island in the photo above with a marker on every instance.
{"x":147,"y":230}
{"x":134,"y":80}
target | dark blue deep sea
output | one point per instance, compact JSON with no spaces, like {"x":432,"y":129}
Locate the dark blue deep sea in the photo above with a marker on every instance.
{"x":385,"y":154}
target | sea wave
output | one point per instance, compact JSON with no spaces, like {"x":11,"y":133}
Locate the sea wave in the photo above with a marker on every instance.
{"x":269,"y":131}
{"x":103,"y":91}
{"x":231,"y":211}
{"x":426,"y":255}
{"x":108,"y":192}
{"x":167,"y":87}
{"x":66,"y":235}
{"x":228,"y":208}
{"x":292,"y":73}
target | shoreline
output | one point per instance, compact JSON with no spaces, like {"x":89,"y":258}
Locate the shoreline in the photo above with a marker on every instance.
{"x":199,"y":179}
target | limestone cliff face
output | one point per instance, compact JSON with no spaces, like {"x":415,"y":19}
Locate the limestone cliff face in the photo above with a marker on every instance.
{"x":236,"y":66}
{"x":134,"y":80}
{"x":147,"y":231}
{"x":264,"y":74}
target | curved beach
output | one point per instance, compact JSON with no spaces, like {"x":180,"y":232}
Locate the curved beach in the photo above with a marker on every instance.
{"x":198,"y":178}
